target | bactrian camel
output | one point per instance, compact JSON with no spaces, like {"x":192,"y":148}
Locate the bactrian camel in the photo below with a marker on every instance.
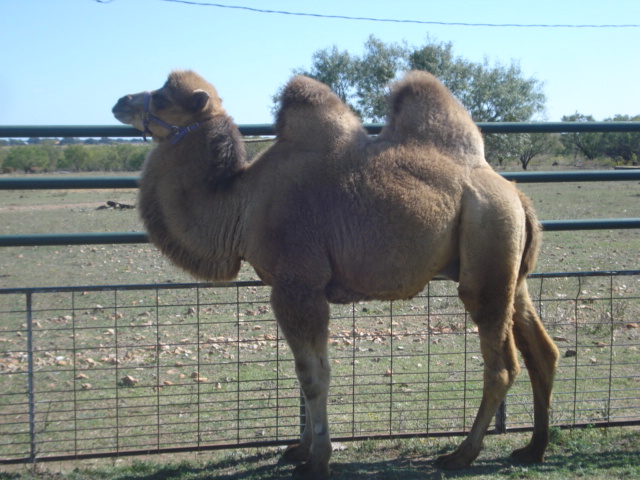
{"x":329,"y":214}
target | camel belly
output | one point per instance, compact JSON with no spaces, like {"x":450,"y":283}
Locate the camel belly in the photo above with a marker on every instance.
{"x":393,"y":273}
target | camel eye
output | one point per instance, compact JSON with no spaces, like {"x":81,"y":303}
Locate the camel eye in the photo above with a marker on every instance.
{"x":159,"y":101}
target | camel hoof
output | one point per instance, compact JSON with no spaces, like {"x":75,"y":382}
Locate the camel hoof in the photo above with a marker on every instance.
{"x":461,"y":458}
{"x":451,"y":461}
{"x":528,"y":454}
{"x":308,"y":471}
{"x":296,"y":453}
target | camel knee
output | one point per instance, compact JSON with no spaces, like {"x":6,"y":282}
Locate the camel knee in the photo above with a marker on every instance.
{"x":314,"y":376}
{"x":501,"y":362}
{"x":503,"y":378}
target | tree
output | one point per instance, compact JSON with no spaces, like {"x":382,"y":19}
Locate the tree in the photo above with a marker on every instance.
{"x":497,"y":93}
{"x":76,"y":157}
{"x":622,"y":147}
{"x":333,"y":68}
{"x":438,"y":59}
{"x":530,"y":145}
{"x":589,"y":144}
{"x":491,"y":93}
{"x":360,"y":82}
{"x":378,"y":67}
{"x":26,"y":157}
{"x":53,"y":151}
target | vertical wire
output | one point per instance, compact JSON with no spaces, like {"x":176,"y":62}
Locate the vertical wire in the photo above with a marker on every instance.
{"x":353,"y":371}
{"x":199,"y":367}
{"x":428,"y":355}
{"x":117,"y":364}
{"x":238,"y":420}
{"x":540,"y":297}
{"x":75,"y":373}
{"x":575,"y":371}
{"x":464,"y":388}
{"x":158,"y":350}
{"x":611,"y":341}
{"x":277,"y":381}
{"x":392,"y":373}
{"x":30,"y":380}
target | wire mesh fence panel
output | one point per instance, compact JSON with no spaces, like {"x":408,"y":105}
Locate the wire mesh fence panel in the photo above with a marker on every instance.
{"x":99,"y":371}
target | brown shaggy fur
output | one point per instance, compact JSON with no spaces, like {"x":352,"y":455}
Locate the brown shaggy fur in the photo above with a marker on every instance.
{"x":330,"y":215}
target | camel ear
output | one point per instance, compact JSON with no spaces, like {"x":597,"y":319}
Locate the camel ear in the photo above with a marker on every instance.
{"x":199,"y":100}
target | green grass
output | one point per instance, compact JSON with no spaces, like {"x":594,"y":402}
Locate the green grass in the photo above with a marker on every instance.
{"x":153,"y":339}
{"x":578,"y":454}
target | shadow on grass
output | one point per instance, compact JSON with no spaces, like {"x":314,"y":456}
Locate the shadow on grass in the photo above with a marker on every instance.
{"x":586,"y":454}
{"x":268,"y":466}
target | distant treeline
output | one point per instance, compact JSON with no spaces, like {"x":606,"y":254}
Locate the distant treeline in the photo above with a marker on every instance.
{"x":90,"y":155}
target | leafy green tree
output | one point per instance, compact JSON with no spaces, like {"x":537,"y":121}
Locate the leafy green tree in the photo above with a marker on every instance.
{"x":333,"y":68}
{"x":530,"y":145}
{"x":374,"y":71}
{"x":438,"y":59}
{"x":491,"y":93}
{"x":588,"y":144}
{"x":623,"y":147}
{"x":76,"y":157}
{"x":53,"y":151}
{"x":498,"y":93}
{"x":26,"y":157}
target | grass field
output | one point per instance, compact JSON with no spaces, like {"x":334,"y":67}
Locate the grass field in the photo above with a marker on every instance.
{"x":203,"y":363}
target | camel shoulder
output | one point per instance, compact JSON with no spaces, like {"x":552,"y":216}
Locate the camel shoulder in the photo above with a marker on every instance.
{"x":313,"y":117}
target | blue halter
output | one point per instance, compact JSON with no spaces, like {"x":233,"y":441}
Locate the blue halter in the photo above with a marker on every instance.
{"x":175,"y":132}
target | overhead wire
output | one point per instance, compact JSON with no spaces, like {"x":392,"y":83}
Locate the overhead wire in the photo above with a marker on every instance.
{"x":392,"y":20}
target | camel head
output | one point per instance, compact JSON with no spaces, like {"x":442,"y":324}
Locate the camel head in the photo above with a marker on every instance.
{"x":170,"y":112}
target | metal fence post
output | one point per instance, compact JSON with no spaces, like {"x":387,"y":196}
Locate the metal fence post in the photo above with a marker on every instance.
{"x":501,"y":417}
{"x":303,"y":412}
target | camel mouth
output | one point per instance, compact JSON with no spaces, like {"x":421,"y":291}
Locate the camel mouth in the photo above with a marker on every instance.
{"x":123,"y":117}
{"x":123,"y":111}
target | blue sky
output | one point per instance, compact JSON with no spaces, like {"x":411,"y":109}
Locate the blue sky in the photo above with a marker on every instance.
{"x":66,"y":62}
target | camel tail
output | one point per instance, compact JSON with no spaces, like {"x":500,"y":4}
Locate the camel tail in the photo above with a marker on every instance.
{"x":532,"y":241}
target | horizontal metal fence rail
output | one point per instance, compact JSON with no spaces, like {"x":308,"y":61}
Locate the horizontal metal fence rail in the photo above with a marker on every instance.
{"x":89,"y":373}
{"x":28,"y":131}
{"x":12,"y":131}
{"x":110,"y":238}
{"x":108,"y":182}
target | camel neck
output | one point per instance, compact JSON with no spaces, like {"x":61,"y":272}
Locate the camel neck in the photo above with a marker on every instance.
{"x":190,"y":204}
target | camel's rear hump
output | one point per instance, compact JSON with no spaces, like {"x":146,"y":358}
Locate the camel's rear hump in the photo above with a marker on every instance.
{"x":312,"y":116}
{"x":423,"y":111}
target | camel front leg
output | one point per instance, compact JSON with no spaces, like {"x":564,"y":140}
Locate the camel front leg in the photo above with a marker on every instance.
{"x":304,"y":319}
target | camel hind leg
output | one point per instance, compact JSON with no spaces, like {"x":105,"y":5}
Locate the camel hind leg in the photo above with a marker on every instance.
{"x":540,"y":357}
{"x":501,"y":368}
{"x":491,"y":237}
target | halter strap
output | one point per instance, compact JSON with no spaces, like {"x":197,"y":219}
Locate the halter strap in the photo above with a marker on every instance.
{"x":175,"y":132}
